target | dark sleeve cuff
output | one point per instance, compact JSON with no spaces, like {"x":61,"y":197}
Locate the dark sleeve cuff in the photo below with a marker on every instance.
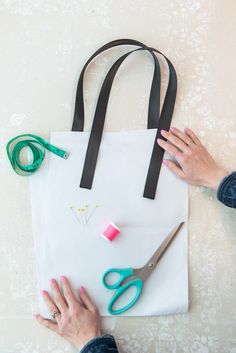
{"x":101,"y":344}
{"x":226,"y":192}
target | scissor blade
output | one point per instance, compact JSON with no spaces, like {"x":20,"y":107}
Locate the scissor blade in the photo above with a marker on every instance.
{"x":146,"y":270}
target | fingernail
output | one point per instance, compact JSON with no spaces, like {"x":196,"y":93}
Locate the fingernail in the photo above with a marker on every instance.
{"x":158,"y":140}
{"x":43,"y":292}
{"x":82,"y":290}
{"x":172,"y":129}
{"x":165,"y":162}
{"x":36,"y":316}
{"x":163,"y":131}
{"x":63,"y":278}
{"x":52,"y":280}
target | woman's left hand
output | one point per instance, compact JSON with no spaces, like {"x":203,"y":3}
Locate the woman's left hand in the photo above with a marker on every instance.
{"x":78,"y":322}
{"x":194,"y":164}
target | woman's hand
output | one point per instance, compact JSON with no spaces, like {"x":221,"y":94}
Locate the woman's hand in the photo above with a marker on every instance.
{"x":195,"y":164}
{"x":76,"y":321}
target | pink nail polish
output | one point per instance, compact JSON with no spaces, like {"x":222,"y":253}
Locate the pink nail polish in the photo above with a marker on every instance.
{"x":165,"y":162}
{"x":63,"y":278}
{"x":163,"y":131}
{"x":52,"y":280}
{"x":158,"y":140}
{"x":172,"y":129}
{"x":82,"y":290}
{"x":43,"y":292}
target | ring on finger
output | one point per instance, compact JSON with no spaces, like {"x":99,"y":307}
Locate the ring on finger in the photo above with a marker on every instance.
{"x":189,"y":142}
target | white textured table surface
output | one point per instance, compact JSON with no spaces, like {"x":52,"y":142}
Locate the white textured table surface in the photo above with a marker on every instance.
{"x":43,"y":46}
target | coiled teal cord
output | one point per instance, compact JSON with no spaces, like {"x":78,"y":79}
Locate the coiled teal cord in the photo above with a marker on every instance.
{"x":38,"y":147}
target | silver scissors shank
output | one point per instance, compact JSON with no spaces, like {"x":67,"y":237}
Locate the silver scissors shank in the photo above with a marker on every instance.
{"x":144,"y":272}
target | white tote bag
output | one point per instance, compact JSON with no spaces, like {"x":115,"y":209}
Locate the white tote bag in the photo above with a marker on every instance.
{"x":113,"y":177}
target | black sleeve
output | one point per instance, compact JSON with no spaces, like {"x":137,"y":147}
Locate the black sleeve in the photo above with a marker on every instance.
{"x":226,"y":192}
{"x":101,"y":344}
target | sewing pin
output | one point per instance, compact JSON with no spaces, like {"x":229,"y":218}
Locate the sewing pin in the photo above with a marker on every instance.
{"x":83,"y":216}
{"x":92,"y":212}
{"x":80,"y":212}
{"x":74,"y":213}
{"x":85,"y":213}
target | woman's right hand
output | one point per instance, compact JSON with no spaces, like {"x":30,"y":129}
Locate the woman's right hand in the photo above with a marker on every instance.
{"x":76,"y":321}
{"x":195,"y":164}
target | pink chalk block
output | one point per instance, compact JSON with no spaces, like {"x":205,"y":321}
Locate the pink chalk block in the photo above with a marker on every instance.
{"x":111,"y":232}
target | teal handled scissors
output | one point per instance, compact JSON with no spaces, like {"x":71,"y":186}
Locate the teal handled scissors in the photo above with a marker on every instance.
{"x":129,"y":277}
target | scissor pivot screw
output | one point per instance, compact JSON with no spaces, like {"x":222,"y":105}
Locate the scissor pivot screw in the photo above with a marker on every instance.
{"x":151,"y":265}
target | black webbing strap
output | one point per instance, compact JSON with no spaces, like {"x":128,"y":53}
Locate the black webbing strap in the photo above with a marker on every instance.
{"x":164,"y":123}
{"x":98,"y":123}
{"x":153,"y":109}
{"x":100,"y":113}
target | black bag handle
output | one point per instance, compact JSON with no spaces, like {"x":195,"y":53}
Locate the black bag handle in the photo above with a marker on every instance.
{"x":99,"y":118}
{"x":154,"y":108}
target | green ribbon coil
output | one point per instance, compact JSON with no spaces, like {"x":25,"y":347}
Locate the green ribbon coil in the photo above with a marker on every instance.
{"x":38,"y":147}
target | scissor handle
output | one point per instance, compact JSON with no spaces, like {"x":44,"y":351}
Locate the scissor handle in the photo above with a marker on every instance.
{"x":138,"y":283}
{"x":123,"y":274}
